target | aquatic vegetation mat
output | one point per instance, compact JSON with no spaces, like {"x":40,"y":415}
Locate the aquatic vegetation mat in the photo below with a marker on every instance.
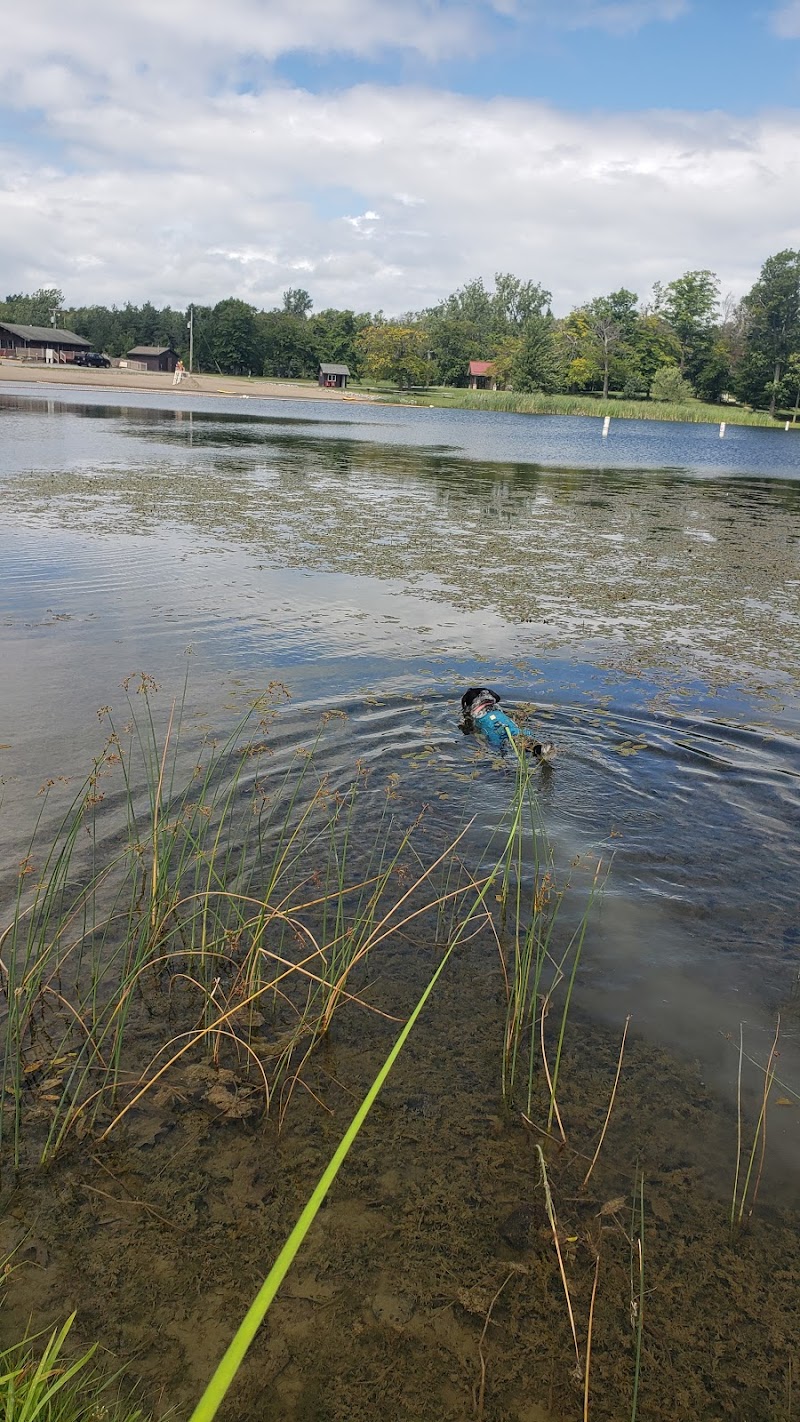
{"x":655,"y":570}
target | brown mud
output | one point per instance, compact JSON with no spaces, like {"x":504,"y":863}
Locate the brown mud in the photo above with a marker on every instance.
{"x":161,"y":1236}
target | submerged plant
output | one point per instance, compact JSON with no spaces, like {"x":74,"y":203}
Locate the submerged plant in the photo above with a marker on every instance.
{"x":535,"y":963}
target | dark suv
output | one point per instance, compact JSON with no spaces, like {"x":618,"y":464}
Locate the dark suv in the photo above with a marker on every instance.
{"x":90,"y":358}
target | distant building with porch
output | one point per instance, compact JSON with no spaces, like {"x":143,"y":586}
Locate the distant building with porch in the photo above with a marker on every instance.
{"x":481,"y":375}
{"x":334,"y":377}
{"x":34,"y":342}
{"x":151,"y":358}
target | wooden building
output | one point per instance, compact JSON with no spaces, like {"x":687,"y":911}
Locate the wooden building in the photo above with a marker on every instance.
{"x":152,"y":358}
{"x":481,"y":375}
{"x":334,"y":377}
{"x":34,"y":342}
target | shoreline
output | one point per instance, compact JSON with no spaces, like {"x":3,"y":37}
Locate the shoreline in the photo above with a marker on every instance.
{"x":115,"y":380}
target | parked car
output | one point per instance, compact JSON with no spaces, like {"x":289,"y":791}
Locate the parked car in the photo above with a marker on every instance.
{"x":90,"y":358}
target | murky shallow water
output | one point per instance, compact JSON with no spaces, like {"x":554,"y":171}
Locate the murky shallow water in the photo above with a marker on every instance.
{"x":640,"y":596}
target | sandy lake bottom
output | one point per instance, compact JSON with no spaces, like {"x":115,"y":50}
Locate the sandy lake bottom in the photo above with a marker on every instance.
{"x":634,"y":600}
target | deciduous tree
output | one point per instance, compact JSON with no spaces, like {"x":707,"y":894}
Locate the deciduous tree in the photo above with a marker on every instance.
{"x":773,"y":334}
{"x":32,"y":310}
{"x":535,"y":363}
{"x":690,"y":305}
{"x":297,"y":302}
{"x":233,"y":338}
{"x":396,"y":353}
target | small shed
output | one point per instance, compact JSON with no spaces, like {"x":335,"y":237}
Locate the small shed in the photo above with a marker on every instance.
{"x":154,"y":357}
{"x":34,"y":342}
{"x":481,"y":375}
{"x":334,"y":377}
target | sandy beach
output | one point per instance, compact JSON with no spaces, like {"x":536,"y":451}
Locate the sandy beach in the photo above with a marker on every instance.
{"x":115,"y":379}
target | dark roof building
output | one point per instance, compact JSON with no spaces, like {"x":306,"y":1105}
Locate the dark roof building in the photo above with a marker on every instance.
{"x":154,"y":357}
{"x":334,"y":377}
{"x":33,"y":342}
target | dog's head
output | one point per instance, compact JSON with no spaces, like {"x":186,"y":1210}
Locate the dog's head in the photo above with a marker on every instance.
{"x":478,"y":696}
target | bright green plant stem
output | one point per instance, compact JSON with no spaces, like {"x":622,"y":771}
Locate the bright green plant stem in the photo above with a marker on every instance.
{"x":245,"y":1333}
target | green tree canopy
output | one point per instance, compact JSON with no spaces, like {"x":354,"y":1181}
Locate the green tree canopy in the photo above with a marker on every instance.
{"x":234,"y":338}
{"x":534,"y":365}
{"x":669,"y":384}
{"x":453,"y":343}
{"x":773,"y":330}
{"x":515,"y":302}
{"x":296,"y":301}
{"x":611,"y":323}
{"x":287,"y":345}
{"x":690,"y":305}
{"x":32,"y":310}
{"x":335,"y":337}
{"x":396,"y":353}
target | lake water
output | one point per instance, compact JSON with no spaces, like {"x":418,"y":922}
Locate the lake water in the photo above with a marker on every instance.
{"x":637,"y":600}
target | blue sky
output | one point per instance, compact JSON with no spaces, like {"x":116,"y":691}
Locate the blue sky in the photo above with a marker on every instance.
{"x":713,"y":55}
{"x":382,"y":154}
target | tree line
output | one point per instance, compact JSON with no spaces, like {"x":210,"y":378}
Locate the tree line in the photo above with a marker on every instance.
{"x":682,"y":341}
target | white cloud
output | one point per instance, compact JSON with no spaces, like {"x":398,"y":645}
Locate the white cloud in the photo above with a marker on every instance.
{"x":365,"y":224}
{"x":786,"y":20}
{"x":163,"y":181}
{"x":616,"y":16}
{"x":99,"y":45}
{"x":93,"y":48}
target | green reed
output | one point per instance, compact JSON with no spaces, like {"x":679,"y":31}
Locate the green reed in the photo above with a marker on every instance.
{"x":535,"y":959}
{"x":538,"y":403}
{"x":230,"y":896}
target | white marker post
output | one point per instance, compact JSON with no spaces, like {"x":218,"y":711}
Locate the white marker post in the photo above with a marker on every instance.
{"x":606,"y":424}
{"x":787,"y":425}
{"x":722,"y":429}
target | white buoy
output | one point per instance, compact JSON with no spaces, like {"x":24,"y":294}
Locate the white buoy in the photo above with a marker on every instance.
{"x":722,"y":429}
{"x":606,"y":424}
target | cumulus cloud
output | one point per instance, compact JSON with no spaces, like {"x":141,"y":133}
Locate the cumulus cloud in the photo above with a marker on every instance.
{"x":97,"y":45}
{"x":162,"y":178}
{"x":90,"y":47}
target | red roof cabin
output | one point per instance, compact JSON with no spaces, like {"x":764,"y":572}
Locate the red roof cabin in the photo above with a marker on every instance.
{"x":481,"y":375}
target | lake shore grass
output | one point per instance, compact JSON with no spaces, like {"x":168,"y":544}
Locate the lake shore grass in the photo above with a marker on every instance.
{"x":371,"y":392}
{"x":538,"y":403}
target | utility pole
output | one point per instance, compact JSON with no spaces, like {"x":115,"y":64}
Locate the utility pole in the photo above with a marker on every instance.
{"x":191,"y":338}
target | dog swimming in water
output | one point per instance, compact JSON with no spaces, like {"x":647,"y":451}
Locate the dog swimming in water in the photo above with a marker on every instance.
{"x":481,"y":709}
